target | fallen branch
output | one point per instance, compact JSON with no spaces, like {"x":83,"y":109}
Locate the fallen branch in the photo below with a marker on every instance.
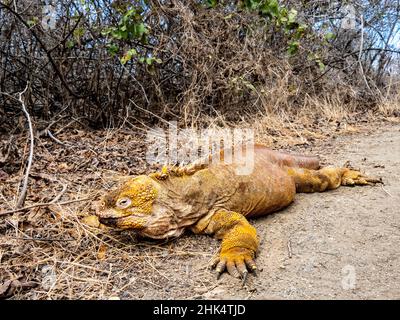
{"x":58,"y":197}
{"x":22,"y":197}
{"x":50,"y":135}
{"x":387,"y":192}
{"x":36,"y":205}
{"x":360,"y":55}
{"x":42,"y":239}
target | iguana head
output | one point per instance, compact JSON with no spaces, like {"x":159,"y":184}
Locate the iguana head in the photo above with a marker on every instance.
{"x":137,"y":205}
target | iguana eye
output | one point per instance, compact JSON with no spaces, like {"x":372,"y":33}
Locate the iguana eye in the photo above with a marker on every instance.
{"x":123,"y":203}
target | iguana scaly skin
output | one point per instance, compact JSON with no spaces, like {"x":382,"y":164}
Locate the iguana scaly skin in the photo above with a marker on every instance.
{"x":213,"y":199}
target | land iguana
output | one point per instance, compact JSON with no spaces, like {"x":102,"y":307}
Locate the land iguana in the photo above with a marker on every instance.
{"x":213,"y":199}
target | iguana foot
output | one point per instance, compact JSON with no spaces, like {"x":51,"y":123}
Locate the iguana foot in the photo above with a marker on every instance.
{"x":237,"y":261}
{"x":353,"y":178}
{"x":239,"y":243}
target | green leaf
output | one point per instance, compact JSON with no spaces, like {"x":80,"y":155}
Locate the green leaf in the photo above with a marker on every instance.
{"x":119,"y":34}
{"x":321,"y":65}
{"x":274,"y":7}
{"x":79,"y":32}
{"x":124,"y":60}
{"x":128,"y":56}
{"x":127,"y":16}
{"x":139,"y":30}
{"x":302,"y":27}
{"x":70,"y":44}
{"x":292,"y":16}
{"x":32,"y":22}
{"x":329,"y":36}
{"x":270,"y":8}
{"x":132,"y":52}
{"x":105,"y":32}
{"x":284,"y":12}
{"x":211,"y":3}
{"x":293,"y":47}
{"x":112,"y":49}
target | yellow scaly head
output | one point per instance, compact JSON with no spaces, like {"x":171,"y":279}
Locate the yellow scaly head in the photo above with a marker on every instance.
{"x":137,"y":205}
{"x":129,"y":206}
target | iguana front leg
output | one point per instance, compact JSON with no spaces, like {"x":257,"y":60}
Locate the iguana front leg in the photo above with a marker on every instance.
{"x":239,"y":243}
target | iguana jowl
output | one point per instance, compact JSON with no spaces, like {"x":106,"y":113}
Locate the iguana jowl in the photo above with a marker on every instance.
{"x":213,"y":199}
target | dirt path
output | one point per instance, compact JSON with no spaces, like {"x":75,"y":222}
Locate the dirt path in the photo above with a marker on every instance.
{"x":343,"y":243}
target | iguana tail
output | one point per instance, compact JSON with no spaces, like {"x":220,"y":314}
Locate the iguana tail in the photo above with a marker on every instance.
{"x":285,"y":159}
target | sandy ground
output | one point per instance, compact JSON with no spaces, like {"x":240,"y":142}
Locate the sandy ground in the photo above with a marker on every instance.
{"x":338,"y":234}
{"x":339,"y":244}
{"x":342,"y":244}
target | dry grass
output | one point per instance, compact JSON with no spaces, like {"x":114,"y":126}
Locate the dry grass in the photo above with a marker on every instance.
{"x":390,"y":107}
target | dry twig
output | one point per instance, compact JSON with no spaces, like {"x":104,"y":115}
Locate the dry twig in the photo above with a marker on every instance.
{"x":289,"y":246}
{"x":22,"y":197}
{"x":36,"y":205}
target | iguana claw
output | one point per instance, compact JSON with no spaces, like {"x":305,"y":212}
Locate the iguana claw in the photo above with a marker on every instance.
{"x":237,"y":261}
{"x":353,"y":177}
{"x":244,"y":277}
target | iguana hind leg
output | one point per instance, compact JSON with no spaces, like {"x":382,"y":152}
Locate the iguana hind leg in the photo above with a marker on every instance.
{"x":239,"y":243}
{"x":328,"y":178}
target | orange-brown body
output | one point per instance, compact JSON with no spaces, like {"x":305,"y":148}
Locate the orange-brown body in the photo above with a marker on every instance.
{"x":214,"y":199}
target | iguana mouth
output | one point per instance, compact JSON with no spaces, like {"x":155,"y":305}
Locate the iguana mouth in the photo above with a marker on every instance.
{"x":109,"y":221}
{"x":128,"y":222}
